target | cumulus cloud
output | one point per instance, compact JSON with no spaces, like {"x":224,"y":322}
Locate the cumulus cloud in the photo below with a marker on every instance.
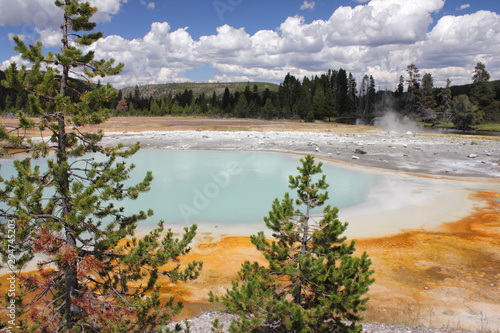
{"x":17,"y":59}
{"x":49,"y":37}
{"x":465,"y":6}
{"x":308,"y":5}
{"x":462,"y":40}
{"x":382,"y":22}
{"x":40,"y":13}
{"x":43,"y":14}
{"x":379,"y":38}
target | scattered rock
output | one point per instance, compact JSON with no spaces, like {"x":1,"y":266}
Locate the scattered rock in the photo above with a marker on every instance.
{"x":355,"y":158}
{"x":360,"y":151}
{"x":203,"y":323}
{"x":473,"y":156}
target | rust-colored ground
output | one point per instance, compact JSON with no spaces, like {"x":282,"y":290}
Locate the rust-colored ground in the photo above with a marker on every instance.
{"x":444,"y":278}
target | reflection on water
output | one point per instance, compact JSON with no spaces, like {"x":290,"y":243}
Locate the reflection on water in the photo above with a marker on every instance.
{"x":226,"y":187}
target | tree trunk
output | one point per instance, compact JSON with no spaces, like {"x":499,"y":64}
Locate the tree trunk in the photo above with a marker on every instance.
{"x":303,"y":250}
{"x":71,"y":270}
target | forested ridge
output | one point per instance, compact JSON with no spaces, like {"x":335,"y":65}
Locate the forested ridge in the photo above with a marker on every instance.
{"x":334,"y":95}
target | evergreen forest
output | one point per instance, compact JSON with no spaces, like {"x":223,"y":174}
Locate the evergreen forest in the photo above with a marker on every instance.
{"x":332,"y":96}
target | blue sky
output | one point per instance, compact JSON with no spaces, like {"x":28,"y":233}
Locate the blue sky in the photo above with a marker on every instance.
{"x":243,"y":40}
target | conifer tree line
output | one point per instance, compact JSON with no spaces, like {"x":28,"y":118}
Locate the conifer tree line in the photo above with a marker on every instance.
{"x":333,"y":95}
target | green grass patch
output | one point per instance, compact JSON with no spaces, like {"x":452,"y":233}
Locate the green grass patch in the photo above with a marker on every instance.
{"x":437,"y":125}
{"x":340,"y":120}
{"x":488,"y":127}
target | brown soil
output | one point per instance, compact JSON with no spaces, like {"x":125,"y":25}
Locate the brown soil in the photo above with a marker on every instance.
{"x":139,"y":124}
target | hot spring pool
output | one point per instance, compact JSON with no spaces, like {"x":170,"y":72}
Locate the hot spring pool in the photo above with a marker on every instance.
{"x":228,"y":188}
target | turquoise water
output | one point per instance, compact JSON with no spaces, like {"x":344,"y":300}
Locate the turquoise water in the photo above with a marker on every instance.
{"x":226,"y":187}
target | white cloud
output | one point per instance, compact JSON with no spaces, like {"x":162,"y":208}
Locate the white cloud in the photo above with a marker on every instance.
{"x":22,"y":37}
{"x":462,"y":41}
{"x":150,"y":5}
{"x":106,"y":8}
{"x":308,"y":5}
{"x":379,"y":38}
{"x":382,"y":22}
{"x":49,"y":37}
{"x":17,"y":59}
{"x":43,"y":13}
{"x":227,"y":43}
{"x":465,"y":6}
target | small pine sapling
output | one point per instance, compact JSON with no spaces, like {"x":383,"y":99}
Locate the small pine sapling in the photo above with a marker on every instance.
{"x":313,"y":282}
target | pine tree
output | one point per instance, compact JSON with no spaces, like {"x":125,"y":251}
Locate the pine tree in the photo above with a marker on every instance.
{"x":226,"y":101}
{"x":480,"y":73}
{"x":313,"y":283}
{"x":446,"y":105}
{"x":414,"y":94}
{"x":241,"y":108}
{"x":318,"y":102}
{"x":341,"y":93}
{"x":122,"y":106}
{"x":465,"y":114}
{"x":483,"y":92}
{"x":330,"y":105}
{"x":95,"y":275}
{"x":269,"y":111}
{"x":352,"y":93}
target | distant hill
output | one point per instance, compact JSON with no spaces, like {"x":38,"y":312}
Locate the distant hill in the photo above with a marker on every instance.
{"x":157,"y":90}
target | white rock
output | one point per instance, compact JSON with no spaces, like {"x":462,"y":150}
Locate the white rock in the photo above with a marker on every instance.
{"x":355,"y":158}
